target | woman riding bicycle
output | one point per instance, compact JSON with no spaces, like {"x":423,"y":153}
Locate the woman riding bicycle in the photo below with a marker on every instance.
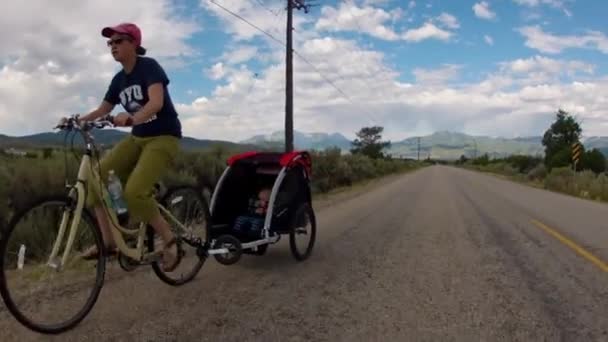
{"x":141,"y":158}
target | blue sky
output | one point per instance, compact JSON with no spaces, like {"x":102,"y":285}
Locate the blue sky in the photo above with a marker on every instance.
{"x":468,"y":47}
{"x":494,"y":67}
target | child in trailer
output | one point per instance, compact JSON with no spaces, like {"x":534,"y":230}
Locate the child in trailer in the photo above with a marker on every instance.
{"x":251,"y":224}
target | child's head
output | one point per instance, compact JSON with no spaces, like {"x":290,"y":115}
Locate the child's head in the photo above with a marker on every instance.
{"x":264,"y":194}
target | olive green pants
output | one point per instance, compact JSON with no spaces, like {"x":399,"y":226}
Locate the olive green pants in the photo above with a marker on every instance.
{"x":139,"y":163}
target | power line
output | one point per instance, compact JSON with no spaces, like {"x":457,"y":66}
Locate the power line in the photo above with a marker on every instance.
{"x":294,"y":51}
{"x":369,"y":116}
{"x":248,"y":22}
{"x":275,"y":13}
{"x":325,"y":78}
{"x":283,"y":44}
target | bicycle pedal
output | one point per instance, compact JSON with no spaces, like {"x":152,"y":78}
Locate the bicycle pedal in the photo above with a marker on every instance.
{"x":153,"y":257}
{"x":55,"y":264}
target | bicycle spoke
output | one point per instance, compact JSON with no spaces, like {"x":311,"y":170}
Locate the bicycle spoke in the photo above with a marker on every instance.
{"x":187,"y":207}
{"x":49,"y":297}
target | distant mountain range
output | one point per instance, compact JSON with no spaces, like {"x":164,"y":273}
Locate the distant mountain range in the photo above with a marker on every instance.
{"x":307,"y":141}
{"x":450,"y":145}
{"x":439,"y":145}
{"x":444,"y":145}
{"x":104,"y":137}
{"x":601,"y":143}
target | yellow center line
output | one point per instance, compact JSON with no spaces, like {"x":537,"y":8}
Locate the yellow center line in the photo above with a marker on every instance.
{"x":578,"y":249}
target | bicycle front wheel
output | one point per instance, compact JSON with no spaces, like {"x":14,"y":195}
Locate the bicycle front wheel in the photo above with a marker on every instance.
{"x":188,"y":215}
{"x":42,"y":296}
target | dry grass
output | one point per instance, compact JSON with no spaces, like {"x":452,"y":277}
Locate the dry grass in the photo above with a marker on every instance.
{"x":23,"y":180}
{"x":583,"y":184}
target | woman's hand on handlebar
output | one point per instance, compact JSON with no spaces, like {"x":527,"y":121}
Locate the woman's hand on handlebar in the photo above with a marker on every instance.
{"x":65,"y":120}
{"x":123,"y":120}
{"x":78,"y":121}
{"x":61,"y":122}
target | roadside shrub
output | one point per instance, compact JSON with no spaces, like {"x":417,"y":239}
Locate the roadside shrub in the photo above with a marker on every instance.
{"x":599,"y":188}
{"x":523,"y":163}
{"x":582,"y":183}
{"x":561,"y":179}
{"x":362,"y":167}
{"x":331,"y":170}
{"x":28,"y":179}
{"x":23,"y":180}
{"x":4,"y":191}
{"x":539,"y":172}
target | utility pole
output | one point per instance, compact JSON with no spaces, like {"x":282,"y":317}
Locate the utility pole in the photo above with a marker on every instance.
{"x":289,"y":80}
{"x":475,"y":147}
{"x":418,"y":148}
{"x":291,"y":4}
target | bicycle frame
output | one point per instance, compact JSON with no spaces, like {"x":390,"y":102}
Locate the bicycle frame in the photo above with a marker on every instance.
{"x":88,"y":175}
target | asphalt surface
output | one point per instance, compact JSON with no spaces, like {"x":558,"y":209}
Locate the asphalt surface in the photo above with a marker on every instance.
{"x":440,"y":254}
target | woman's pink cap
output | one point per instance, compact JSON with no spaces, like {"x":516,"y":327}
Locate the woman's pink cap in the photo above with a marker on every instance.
{"x":124,"y":28}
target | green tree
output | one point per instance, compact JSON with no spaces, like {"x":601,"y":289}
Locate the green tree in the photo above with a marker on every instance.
{"x":47,"y":152}
{"x":593,"y":160}
{"x":563,"y":158}
{"x":558,"y":139}
{"x":369,"y":142}
{"x":463,"y":159}
{"x":523,"y":163}
{"x":484,"y":160}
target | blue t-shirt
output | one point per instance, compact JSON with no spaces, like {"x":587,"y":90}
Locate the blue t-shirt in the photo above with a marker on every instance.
{"x":131,"y":90}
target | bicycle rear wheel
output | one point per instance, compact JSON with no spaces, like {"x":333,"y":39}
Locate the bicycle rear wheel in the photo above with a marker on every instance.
{"x":188,"y":207}
{"x":44,"y":298}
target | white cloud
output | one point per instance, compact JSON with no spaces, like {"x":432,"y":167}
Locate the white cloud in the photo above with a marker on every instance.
{"x":537,"y":39}
{"x":253,"y":12}
{"x":240,"y":54}
{"x":436,"y":77}
{"x":528,"y":2}
{"x":349,"y":17}
{"x":448,"y":20}
{"x":412,"y":4}
{"x":558,"y":4}
{"x":534,"y":3}
{"x":530,"y":15}
{"x":217,"y":71}
{"x":482,"y":10}
{"x":42,"y":74}
{"x":49,"y":68}
{"x":372,"y":21}
{"x":488,"y":39}
{"x":372,"y":2}
{"x":426,"y":31}
{"x":520,"y":97}
{"x":549,"y":66}
{"x":243,"y":107}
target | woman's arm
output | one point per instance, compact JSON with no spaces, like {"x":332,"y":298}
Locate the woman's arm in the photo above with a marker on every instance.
{"x":154,"y":105}
{"x":104,"y":108}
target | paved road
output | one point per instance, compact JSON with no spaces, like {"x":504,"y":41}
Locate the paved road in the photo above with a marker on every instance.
{"x":441,"y":254}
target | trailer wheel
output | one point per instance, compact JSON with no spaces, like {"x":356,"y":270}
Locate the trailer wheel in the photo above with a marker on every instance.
{"x":303,"y":231}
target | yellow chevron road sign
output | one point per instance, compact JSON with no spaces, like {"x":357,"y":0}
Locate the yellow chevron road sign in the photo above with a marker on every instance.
{"x":576,"y":153}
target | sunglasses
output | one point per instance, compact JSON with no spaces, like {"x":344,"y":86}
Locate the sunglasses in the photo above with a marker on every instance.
{"x":117,"y":41}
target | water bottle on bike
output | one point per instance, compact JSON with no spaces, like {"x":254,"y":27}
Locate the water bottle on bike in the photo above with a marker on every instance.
{"x":118,"y":202}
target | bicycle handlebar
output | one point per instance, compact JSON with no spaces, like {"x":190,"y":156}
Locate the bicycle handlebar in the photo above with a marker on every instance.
{"x":73,"y":122}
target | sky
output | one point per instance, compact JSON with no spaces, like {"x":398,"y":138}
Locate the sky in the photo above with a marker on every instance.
{"x":493,"y":67}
